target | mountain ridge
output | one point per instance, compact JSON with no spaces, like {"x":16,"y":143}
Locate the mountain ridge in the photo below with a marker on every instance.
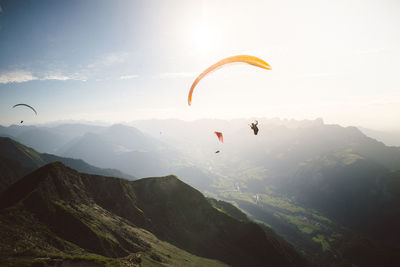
{"x":13,"y":153}
{"x":70,"y":203}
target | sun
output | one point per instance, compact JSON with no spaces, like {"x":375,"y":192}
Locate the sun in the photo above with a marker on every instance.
{"x":203,"y":38}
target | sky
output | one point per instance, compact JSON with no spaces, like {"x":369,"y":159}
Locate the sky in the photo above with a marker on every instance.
{"x":119,"y":61}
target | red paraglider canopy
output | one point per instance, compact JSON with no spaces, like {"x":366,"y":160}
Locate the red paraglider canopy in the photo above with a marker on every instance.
{"x":220,"y":137}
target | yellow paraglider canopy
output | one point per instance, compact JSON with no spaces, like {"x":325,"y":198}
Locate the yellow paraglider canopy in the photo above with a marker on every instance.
{"x":241,"y":58}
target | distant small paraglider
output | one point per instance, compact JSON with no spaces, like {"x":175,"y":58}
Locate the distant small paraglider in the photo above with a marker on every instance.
{"x":25,"y":106}
{"x":220,"y":137}
{"x":254,"y":127}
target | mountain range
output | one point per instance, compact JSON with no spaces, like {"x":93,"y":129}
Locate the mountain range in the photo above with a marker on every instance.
{"x":332,"y":192}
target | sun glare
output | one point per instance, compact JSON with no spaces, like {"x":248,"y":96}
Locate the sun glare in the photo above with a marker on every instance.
{"x":203,"y":38}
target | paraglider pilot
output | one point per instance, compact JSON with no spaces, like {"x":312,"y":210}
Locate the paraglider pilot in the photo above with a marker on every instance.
{"x":254,"y":127}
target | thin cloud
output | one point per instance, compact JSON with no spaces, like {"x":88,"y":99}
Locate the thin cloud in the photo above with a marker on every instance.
{"x":109,"y":60}
{"x":18,"y":76}
{"x":56,"y":77}
{"x":90,"y":71}
{"x":128,"y":77}
{"x":21,"y":76}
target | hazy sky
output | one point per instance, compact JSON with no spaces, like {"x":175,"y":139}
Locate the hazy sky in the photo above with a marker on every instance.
{"x":128,"y":60}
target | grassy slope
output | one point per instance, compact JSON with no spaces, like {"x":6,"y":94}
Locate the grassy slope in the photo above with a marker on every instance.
{"x":58,"y":211}
{"x":26,"y":240}
{"x":43,"y":222}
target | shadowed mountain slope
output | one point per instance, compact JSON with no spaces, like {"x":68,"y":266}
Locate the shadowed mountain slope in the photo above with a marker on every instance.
{"x":108,"y":216}
{"x":17,"y":160}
